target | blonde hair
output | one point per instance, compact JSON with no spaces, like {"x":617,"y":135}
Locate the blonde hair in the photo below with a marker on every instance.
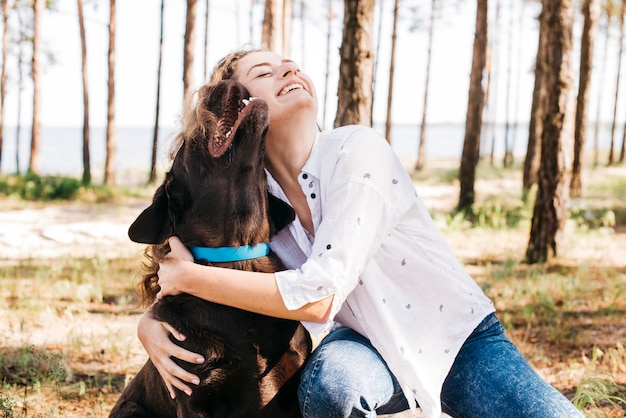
{"x":226,"y":67}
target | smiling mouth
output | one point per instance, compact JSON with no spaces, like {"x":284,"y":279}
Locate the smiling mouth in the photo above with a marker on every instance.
{"x":290,"y":87}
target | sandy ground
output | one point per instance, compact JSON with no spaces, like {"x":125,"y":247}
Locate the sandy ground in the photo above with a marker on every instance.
{"x":35,"y":230}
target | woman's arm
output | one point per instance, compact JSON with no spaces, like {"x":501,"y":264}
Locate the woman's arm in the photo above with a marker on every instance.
{"x":250,"y":291}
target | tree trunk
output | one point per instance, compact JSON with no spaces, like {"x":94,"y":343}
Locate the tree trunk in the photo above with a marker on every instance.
{"x":535,"y":125}
{"x":394,"y":35}
{"x":155,"y":137}
{"x":83,"y":44}
{"x":109,"y":165}
{"x":619,"y":70}
{"x":550,"y":211}
{"x":190,"y":41}
{"x":3,"y":71}
{"x":356,"y":69}
{"x":494,"y":74}
{"x":473,"y":122}
{"x":507,"y":161}
{"x":623,"y":149}
{"x":330,"y":18}
{"x":277,"y":26}
{"x":379,"y":32}
{"x":421,"y":151}
{"x":596,"y":131}
{"x":206,"y":40}
{"x":38,"y":10}
{"x":591,"y":12}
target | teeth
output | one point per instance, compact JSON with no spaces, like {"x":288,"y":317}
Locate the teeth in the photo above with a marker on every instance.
{"x":246,"y":102}
{"x":291,"y":87}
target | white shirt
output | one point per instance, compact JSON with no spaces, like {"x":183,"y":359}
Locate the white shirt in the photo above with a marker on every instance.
{"x":394,"y":278}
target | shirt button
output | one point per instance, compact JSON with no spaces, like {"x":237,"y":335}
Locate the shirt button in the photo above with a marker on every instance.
{"x":312,"y":195}
{"x":305,"y":176}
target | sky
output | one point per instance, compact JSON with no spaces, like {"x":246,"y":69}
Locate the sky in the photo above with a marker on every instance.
{"x":232,"y":25}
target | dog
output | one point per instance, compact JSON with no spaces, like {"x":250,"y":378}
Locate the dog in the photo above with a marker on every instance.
{"x":215,"y":199}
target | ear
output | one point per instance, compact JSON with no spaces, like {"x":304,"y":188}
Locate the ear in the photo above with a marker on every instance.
{"x":281,"y":214}
{"x":153,"y":226}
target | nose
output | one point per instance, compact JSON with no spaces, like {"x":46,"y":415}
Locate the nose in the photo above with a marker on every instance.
{"x":289,"y":68}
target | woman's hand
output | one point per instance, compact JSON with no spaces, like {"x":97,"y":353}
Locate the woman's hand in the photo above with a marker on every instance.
{"x":172,"y":269}
{"x":154,"y":335}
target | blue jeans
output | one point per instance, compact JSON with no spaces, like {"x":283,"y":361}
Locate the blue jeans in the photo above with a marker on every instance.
{"x":346,"y":377}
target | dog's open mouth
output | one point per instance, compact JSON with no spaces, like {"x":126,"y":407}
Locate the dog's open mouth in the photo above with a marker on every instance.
{"x":226,"y":125}
{"x":238,"y":106}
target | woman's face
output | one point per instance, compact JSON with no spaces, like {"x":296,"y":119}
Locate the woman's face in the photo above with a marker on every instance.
{"x":279,"y":82}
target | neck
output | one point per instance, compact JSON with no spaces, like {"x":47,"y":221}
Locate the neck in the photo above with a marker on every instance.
{"x":288,"y":149}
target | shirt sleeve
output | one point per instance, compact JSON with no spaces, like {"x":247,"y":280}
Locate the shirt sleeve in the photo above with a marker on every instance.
{"x":364,"y":197}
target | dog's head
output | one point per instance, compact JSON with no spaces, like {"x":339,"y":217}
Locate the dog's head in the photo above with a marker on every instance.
{"x":215,"y":193}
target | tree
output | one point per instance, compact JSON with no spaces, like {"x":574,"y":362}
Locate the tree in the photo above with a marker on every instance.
{"x":3,"y":71}
{"x":33,"y":164}
{"x":617,"y":82}
{"x":155,"y":138}
{"x":356,"y":66}
{"x":392,"y":62}
{"x":535,"y":125}
{"x":189,"y":43}
{"x":330,"y":16}
{"x":83,"y":43}
{"x":421,"y":150}
{"x":596,"y":131}
{"x":493,"y":49}
{"x":591,"y":12}
{"x":206,"y":38}
{"x":277,"y":26}
{"x":550,"y":211}
{"x":473,"y":121}
{"x":109,"y":165}
{"x":508,"y":147}
{"x":622,"y":153}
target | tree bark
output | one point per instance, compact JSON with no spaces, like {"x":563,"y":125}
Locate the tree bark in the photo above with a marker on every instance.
{"x":83,"y":44}
{"x":38,"y":10}
{"x":473,"y":122}
{"x":356,"y":69}
{"x":421,"y":150}
{"x":535,"y":126}
{"x":591,"y":12}
{"x":330,"y":18}
{"x":155,"y":137}
{"x":276,"y":33}
{"x":550,"y":211}
{"x":617,"y":82}
{"x":109,"y":165}
{"x":189,"y":44}
{"x":3,"y":71}
{"x":392,"y":63}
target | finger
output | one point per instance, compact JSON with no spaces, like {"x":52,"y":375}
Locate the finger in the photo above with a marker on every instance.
{"x":178,"y":249}
{"x":173,"y":331}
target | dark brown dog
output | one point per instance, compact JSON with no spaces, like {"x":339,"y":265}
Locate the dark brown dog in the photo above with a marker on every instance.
{"x":215,"y":195}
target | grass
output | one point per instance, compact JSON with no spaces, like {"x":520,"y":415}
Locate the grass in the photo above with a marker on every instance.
{"x":68,"y":339}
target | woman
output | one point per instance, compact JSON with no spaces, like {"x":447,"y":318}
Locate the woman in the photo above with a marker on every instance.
{"x":416,"y":331}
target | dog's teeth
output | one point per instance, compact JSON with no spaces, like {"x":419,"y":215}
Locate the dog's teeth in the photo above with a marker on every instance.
{"x":245,"y":102}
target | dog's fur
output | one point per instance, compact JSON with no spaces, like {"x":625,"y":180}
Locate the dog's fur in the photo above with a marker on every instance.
{"x":215,"y":195}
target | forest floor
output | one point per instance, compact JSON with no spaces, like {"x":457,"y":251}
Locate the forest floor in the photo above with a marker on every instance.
{"x":68,"y":337}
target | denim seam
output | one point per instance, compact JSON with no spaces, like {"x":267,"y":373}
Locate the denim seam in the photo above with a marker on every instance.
{"x":312,"y":376}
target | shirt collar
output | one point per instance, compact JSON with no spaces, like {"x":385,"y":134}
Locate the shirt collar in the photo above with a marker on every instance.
{"x":312,"y":165}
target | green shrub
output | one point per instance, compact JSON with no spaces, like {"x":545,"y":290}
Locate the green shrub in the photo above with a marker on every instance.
{"x":35,"y":187}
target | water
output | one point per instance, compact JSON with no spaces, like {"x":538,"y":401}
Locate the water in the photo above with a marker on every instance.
{"x":61,"y":147}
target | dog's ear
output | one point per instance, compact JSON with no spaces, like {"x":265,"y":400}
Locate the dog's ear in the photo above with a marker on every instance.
{"x":281,"y":214}
{"x":153,"y":225}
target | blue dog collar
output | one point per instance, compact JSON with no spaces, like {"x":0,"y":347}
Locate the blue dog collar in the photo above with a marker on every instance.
{"x":226,"y":254}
